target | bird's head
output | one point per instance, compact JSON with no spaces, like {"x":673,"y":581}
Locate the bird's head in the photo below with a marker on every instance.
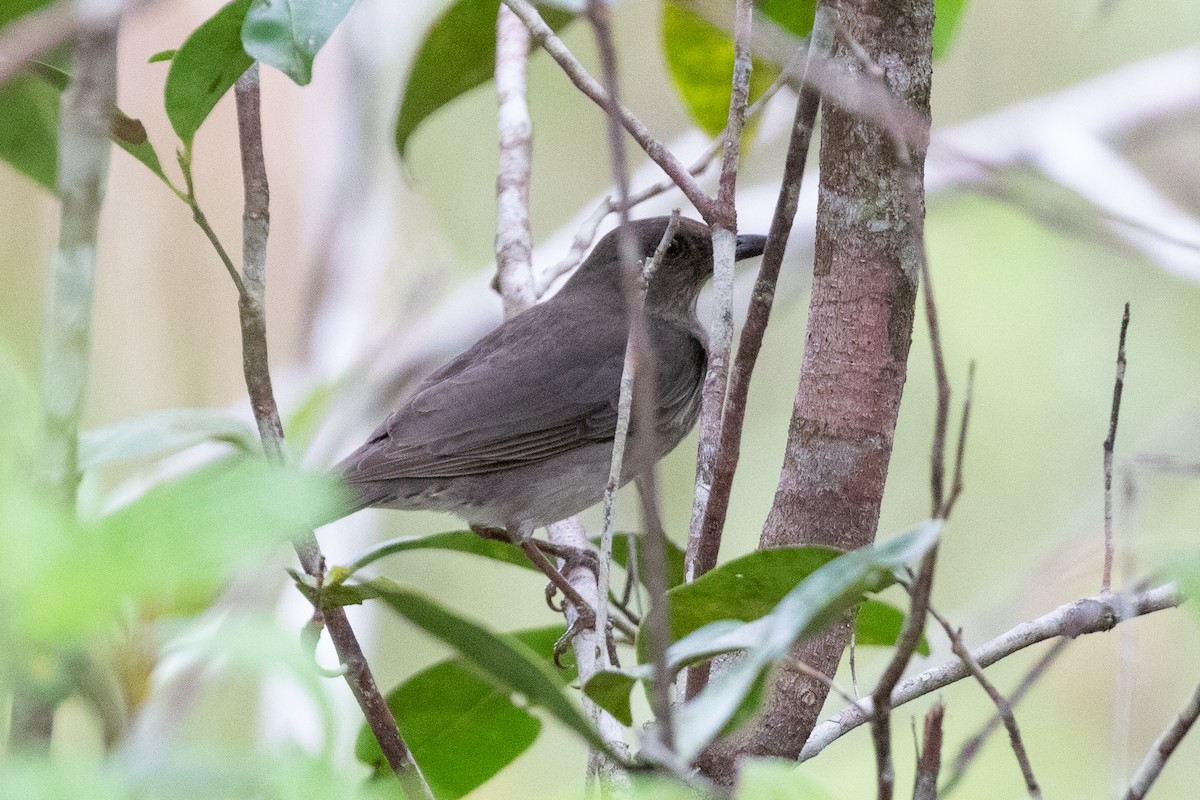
{"x":686,"y":265}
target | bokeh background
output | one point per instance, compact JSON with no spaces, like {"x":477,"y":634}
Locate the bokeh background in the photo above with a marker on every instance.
{"x":379,"y":266}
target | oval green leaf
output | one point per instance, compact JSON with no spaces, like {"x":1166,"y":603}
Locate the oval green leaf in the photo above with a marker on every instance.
{"x":204,"y":68}
{"x":457,"y":54}
{"x":288,"y":33}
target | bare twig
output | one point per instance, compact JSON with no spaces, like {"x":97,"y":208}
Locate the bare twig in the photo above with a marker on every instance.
{"x":1163,"y":747}
{"x":929,"y":762}
{"x":956,"y":486}
{"x":972,"y":747}
{"x":906,"y":645}
{"x":655,"y":149}
{"x":514,"y":242}
{"x":256,"y":366}
{"x":640,"y":357}
{"x":1109,"y":443}
{"x":1090,"y":615}
{"x":704,"y":544}
{"x":85,"y":125}
{"x":1003,"y":707}
{"x":720,"y":340}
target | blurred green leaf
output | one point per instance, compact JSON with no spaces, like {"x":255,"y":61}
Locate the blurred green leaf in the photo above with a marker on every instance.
{"x":795,"y":16}
{"x":700,"y":59}
{"x":462,"y":728}
{"x":161,"y":55}
{"x":172,"y":548}
{"x":946,"y":24}
{"x":11,"y":9}
{"x":305,"y":419}
{"x":29,"y":126}
{"x":163,"y":432}
{"x":504,"y":660}
{"x":457,"y":54}
{"x":776,"y":779}
{"x":29,"y":129}
{"x":288,"y":33}
{"x":818,"y":600}
{"x":204,"y":68}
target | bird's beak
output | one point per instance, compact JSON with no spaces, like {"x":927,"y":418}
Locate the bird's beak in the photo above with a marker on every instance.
{"x":749,"y":245}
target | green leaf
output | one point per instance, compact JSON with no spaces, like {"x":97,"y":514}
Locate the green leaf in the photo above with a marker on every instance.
{"x":948,"y":13}
{"x":462,"y":728}
{"x":610,"y":689}
{"x":163,"y":432}
{"x":41,"y":143}
{"x":675,"y":556}
{"x":171,"y":549}
{"x":795,"y":16}
{"x":204,"y":68}
{"x":161,"y":55}
{"x":458,"y":54}
{"x":878,"y":623}
{"x":818,"y":600}
{"x":12,"y":9}
{"x":700,"y":59}
{"x":505,"y":660}
{"x":29,"y":129}
{"x":459,"y":541}
{"x":288,"y":33}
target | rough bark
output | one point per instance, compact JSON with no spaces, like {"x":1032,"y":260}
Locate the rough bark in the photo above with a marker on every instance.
{"x":856,"y":347}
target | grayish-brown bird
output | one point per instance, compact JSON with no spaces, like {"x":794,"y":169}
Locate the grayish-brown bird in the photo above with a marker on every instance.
{"x":517,"y":432}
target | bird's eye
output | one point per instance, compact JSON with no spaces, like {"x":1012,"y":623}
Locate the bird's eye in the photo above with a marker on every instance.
{"x":676,"y":249}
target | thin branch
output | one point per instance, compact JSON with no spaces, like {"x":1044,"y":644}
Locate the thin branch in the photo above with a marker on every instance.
{"x":85,"y":126}
{"x":972,"y":747}
{"x":881,"y":697}
{"x":1003,"y":707}
{"x":256,"y":367}
{"x":640,"y":356}
{"x":1089,"y":615}
{"x":544,"y":36}
{"x":929,"y":761}
{"x":704,"y":545}
{"x":724,"y":243}
{"x":956,"y":486}
{"x":1163,"y":747}
{"x":514,"y":241}
{"x":1109,"y":443}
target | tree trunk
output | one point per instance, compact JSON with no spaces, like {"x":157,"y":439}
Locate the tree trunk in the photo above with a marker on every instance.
{"x":856,"y":347}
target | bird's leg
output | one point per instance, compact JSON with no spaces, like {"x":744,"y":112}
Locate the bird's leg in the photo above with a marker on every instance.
{"x":587,"y":615}
{"x":571,"y":556}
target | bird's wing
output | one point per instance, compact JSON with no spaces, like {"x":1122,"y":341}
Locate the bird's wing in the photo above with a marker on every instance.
{"x":519,"y":395}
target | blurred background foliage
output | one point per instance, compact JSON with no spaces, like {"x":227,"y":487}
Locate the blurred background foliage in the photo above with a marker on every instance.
{"x":1035,"y":304}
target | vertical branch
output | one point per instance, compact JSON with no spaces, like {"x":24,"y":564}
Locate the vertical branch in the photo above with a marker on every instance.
{"x":1109,"y":443}
{"x":724,"y":241}
{"x":643,"y":388}
{"x":256,"y":366}
{"x":929,"y":762}
{"x":514,"y":242}
{"x":85,"y":127}
{"x":704,"y":545}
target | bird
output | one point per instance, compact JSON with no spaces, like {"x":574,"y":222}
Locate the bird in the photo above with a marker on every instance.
{"x":517,"y":432}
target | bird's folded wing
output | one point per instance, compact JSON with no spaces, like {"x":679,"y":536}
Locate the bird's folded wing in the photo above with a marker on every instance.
{"x":519,"y":395}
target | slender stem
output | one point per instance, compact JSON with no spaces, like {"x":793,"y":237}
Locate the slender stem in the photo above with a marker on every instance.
{"x":1003,"y":707}
{"x":1163,"y":747}
{"x":640,"y":358}
{"x":85,"y":126}
{"x":256,"y":367}
{"x":972,"y":747}
{"x":514,"y":240}
{"x":704,"y":544}
{"x":1088,"y":615}
{"x":544,"y":36}
{"x":1109,"y":443}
